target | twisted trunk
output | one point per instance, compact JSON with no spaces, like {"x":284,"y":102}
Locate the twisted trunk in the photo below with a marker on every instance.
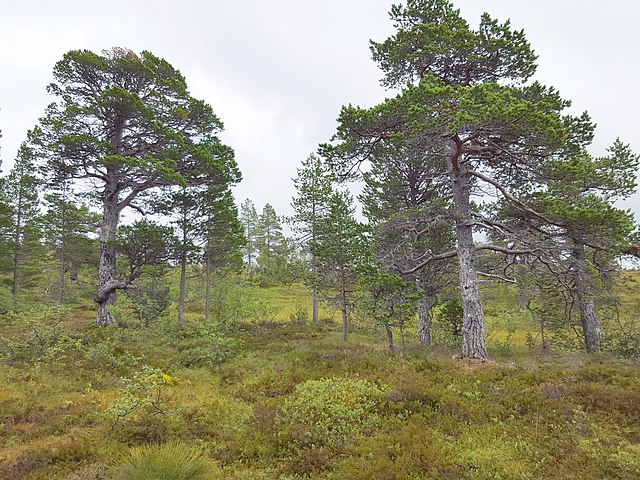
{"x":392,"y":347}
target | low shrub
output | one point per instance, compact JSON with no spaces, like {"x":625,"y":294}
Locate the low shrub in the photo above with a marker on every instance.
{"x":327,"y":412}
{"x":211,"y":347}
{"x":145,"y":392}
{"x":623,"y":345}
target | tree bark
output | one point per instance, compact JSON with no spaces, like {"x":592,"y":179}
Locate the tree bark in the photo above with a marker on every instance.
{"x":207,"y":288}
{"x":314,"y":226}
{"x":61,"y":272}
{"x":183,"y":285}
{"x":343,"y":303}
{"x":107,"y":265}
{"x":474,"y":337}
{"x":425,"y":320}
{"x":591,"y":327}
{"x":523,"y":296}
{"x":16,"y":245}
{"x":392,"y":347}
{"x":315,"y":305}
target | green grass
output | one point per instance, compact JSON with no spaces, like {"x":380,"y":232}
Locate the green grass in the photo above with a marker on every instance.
{"x":523,"y":416}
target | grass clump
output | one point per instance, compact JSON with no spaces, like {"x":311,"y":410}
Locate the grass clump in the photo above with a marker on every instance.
{"x":171,"y":461}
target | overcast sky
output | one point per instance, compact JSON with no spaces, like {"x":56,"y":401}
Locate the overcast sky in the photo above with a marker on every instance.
{"x":278,"y":71}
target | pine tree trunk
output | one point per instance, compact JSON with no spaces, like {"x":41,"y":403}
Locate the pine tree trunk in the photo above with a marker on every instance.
{"x":315,"y":305}
{"x":425,"y":320}
{"x":474,"y":337}
{"x":107,"y":265}
{"x":16,"y":246}
{"x":16,"y":261}
{"x":392,"y":347}
{"x":523,"y":296}
{"x":183,"y":285}
{"x":207,"y":288}
{"x":543,"y":336}
{"x":314,"y":262}
{"x":61,"y":271}
{"x":343,"y":303}
{"x":591,"y":327}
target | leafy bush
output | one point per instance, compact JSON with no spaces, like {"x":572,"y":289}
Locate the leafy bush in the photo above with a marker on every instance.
{"x":623,"y":345}
{"x":40,"y":336}
{"x":300,"y":314}
{"x":172,"y":461}
{"x":145,"y":391}
{"x":234,"y":300}
{"x":328,"y":411}
{"x":211,"y":348}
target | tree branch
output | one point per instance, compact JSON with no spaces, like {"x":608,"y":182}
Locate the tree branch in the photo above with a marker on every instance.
{"x":514,"y":201}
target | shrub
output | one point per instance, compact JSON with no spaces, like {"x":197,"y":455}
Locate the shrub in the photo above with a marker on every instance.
{"x":622,"y":345}
{"x":172,"y":461}
{"x":212,"y":347}
{"x":300,"y":314}
{"x":448,"y":322}
{"x":40,"y":336}
{"x":326,"y":412}
{"x":145,"y":391}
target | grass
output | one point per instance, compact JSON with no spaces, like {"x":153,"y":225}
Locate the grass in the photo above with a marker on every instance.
{"x":523,"y":416}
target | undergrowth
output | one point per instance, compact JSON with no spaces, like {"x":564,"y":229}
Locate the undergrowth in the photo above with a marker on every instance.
{"x":290,"y":400}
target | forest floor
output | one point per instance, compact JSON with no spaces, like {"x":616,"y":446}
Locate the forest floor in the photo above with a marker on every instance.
{"x":75,"y":398}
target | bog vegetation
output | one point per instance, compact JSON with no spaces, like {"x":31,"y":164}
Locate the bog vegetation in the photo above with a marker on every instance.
{"x":476,"y":325}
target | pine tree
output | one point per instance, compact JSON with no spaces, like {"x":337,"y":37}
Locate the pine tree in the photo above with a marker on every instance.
{"x":314,"y":185}
{"x":125,"y":125}
{"x":272,"y":248}
{"x":184,"y":207}
{"x":224,"y":236}
{"x":462,"y":101}
{"x":405,"y":207}
{"x":249,"y":219}
{"x":66,"y":227}
{"x":21,"y":192}
{"x":338,"y":249}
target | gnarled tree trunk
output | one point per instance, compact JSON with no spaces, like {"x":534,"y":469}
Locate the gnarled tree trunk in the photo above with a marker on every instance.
{"x":392,"y":347}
